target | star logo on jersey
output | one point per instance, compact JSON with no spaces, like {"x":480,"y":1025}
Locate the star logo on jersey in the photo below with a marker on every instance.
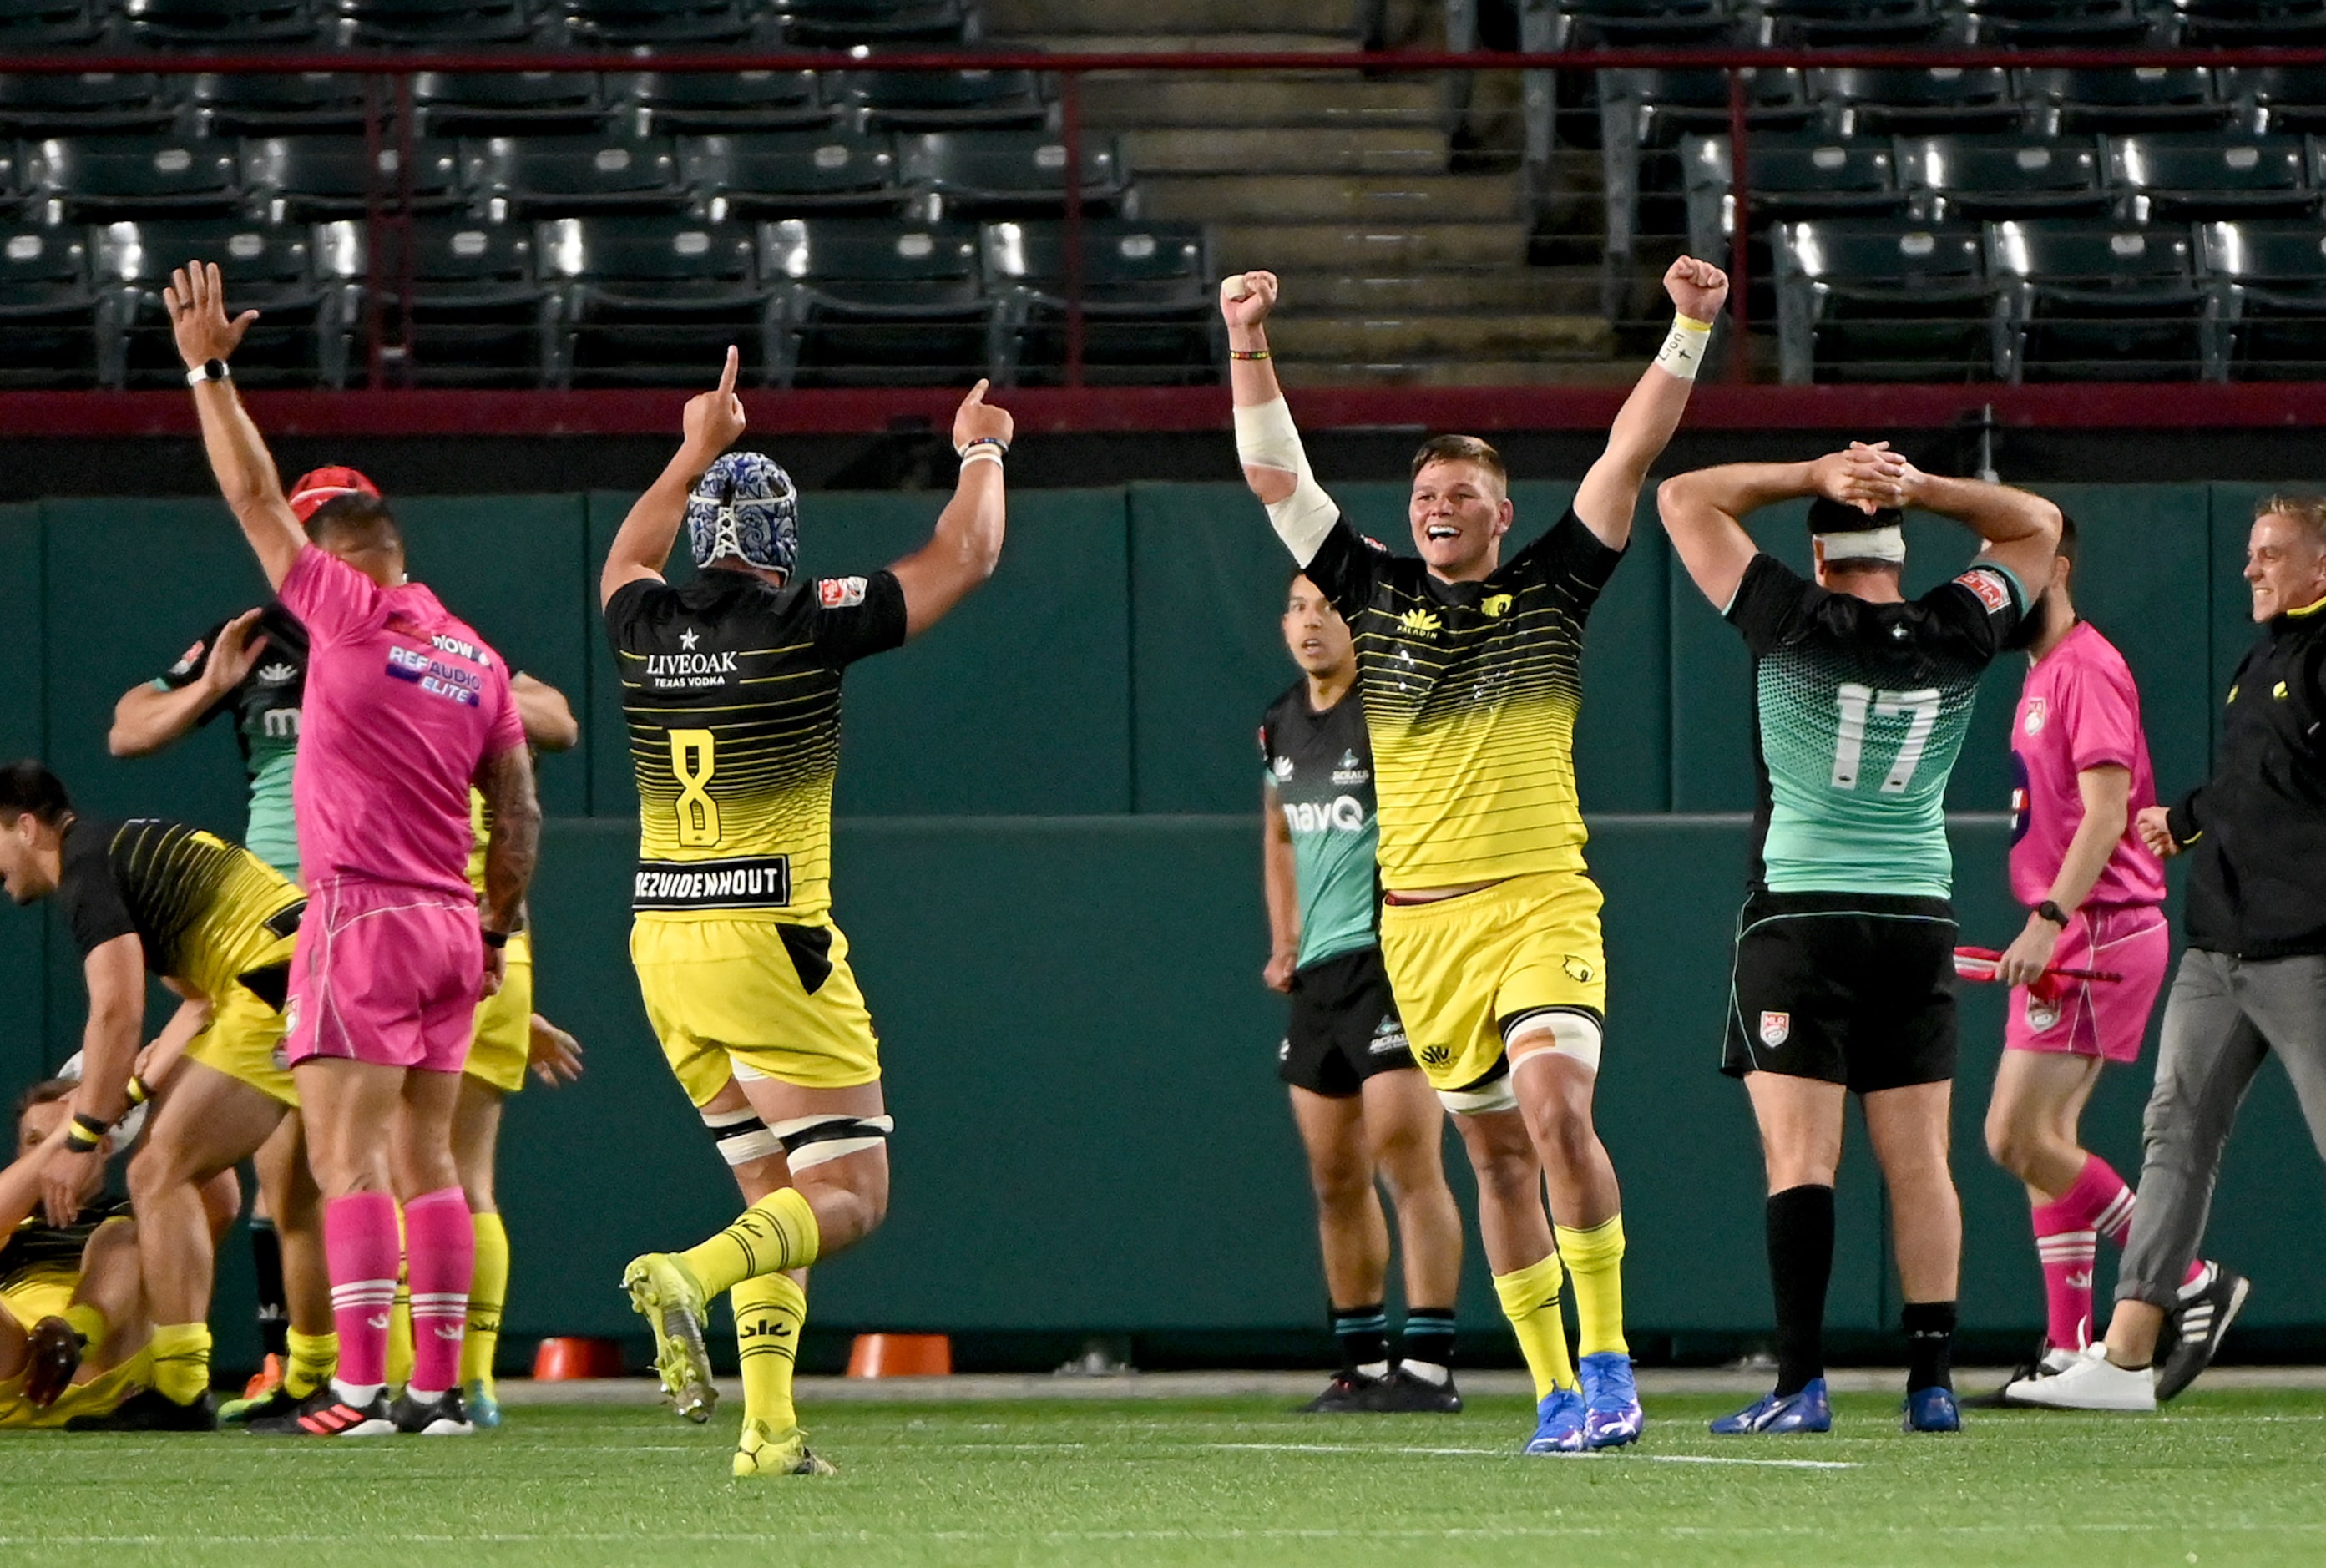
{"x":1421,"y":622}
{"x":2033,"y":722}
{"x":1494,"y":606}
{"x":278,"y":675}
{"x":1897,"y":634}
{"x":1776,"y":1028}
{"x":688,"y":638}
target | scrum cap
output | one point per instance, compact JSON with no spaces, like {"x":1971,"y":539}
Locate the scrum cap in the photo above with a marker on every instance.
{"x":745,"y":506}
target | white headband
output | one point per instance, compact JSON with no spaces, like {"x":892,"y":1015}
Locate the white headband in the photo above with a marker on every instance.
{"x":1866,"y":544}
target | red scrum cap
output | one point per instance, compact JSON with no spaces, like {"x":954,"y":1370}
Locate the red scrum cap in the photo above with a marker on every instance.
{"x":317,"y":486}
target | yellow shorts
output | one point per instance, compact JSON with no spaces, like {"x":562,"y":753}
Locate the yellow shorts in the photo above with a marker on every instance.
{"x":47,"y":1296}
{"x":245,"y":1042}
{"x":1462,"y":967}
{"x":744,"y":998}
{"x":503,"y":1042}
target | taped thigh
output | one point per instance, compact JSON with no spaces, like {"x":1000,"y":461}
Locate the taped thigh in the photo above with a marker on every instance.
{"x":1576,"y":1032}
{"x":812,"y":1141}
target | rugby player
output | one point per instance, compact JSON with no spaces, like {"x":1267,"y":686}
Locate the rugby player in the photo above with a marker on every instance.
{"x":216,"y":923}
{"x":2252,"y":980}
{"x":1470,"y":670}
{"x":405,"y":709}
{"x":731,"y":685}
{"x":1843,"y":978}
{"x":1363,"y":1108}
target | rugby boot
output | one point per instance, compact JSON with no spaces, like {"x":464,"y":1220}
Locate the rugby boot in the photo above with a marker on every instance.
{"x":668,"y":1297}
{"x":1404,"y":1393}
{"x":2093,"y":1382}
{"x":1931,"y":1409}
{"x":484,"y":1410}
{"x":1559,"y":1423}
{"x":1611,"y":1400}
{"x":1806,"y":1410}
{"x":443,"y":1416}
{"x":323,"y":1413}
{"x":1349,"y":1393}
{"x":766,"y":1452}
{"x":150,"y":1410}
{"x":2193,"y":1327}
{"x":53,"y":1351}
{"x":275,"y":1400}
{"x":267,"y":1379}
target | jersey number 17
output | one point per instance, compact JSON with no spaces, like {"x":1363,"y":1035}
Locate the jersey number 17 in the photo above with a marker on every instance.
{"x":1856,"y":702}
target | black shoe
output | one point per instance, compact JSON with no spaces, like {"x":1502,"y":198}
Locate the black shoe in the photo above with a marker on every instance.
{"x":1404,"y":1393}
{"x":2193,"y":1328}
{"x":150,"y":1410}
{"x":2047,"y":1363}
{"x":1348,"y":1393}
{"x":323,"y":1413}
{"x":53,"y":1350}
{"x":443,"y":1416}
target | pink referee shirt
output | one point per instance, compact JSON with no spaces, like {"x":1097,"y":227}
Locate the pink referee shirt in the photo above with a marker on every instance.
{"x":404,"y":704}
{"x":2078,"y":709}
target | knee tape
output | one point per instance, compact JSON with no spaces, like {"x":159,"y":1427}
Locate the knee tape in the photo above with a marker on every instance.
{"x":811,"y":1141}
{"x":1266,"y":437}
{"x":740,"y":1135}
{"x":1481,"y":1099}
{"x":1572,"y":1034}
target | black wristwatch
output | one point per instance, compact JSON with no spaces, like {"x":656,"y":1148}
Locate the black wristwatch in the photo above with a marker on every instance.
{"x":208,"y":370}
{"x":493,"y":939}
{"x":2051,"y":912}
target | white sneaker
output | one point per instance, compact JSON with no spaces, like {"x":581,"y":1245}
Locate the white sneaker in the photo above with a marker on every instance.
{"x":2092,"y":1383}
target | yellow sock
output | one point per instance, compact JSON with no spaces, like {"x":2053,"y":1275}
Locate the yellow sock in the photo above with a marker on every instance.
{"x":399,"y":1336}
{"x":87,"y":1321}
{"x":487,"y":1291}
{"x":1530,"y":1298}
{"x":312,"y":1358}
{"x":769,"y":1314}
{"x":775,"y":1236}
{"x":181,"y":1361}
{"x":1594,"y":1261}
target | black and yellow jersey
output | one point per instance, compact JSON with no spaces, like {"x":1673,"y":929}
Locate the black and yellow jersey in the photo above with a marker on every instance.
{"x":37,"y":1249}
{"x":210,"y":914}
{"x":732,"y":687}
{"x":1471,"y":692}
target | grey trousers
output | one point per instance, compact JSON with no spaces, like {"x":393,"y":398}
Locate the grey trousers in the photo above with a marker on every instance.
{"x":2223,"y":1016}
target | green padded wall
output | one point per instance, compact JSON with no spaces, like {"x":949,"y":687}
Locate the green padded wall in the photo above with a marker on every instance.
{"x":23,"y":969}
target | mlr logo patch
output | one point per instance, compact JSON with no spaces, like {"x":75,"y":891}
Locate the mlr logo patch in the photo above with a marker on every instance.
{"x":1776,"y":1028}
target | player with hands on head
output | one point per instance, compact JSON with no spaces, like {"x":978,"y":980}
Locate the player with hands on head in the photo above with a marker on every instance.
{"x":1470,"y":669}
{"x":730,"y":683}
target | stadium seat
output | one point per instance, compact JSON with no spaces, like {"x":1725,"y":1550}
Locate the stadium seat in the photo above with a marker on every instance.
{"x":847,"y":23}
{"x":654,"y":24}
{"x":48,"y":24}
{"x":2093,"y":302}
{"x":1867,"y":300}
{"x":1908,"y":102}
{"x":1149,"y":317}
{"x":98,"y":179}
{"x":477,"y":317}
{"x":652,"y":301}
{"x":1787,"y":175}
{"x":784,"y":173}
{"x":2278,"y":97}
{"x":2181,"y":177}
{"x":1007,"y":174}
{"x":48,"y":313}
{"x":430,"y":23}
{"x":34,"y":107}
{"x":2149,"y":98}
{"x":2037,"y":24}
{"x":699,"y":102}
{"x":1810,"y":24}
{"x":867,"y":304}
{"x":1619,"y":23}
{"x":905,"y":100}
{"x":218,"y":24}
{"x":301,"y":337}
{"x":2272,"y":280}
{"x":576,"y":176}
{"x":2234,"y":24}
{"x":279,"y":105}
{"x":534,"y":103}
{"x":1974,"y":178}
{"x":309,"y":178}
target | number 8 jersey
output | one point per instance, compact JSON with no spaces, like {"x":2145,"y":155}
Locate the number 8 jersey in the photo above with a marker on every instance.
{"x":731,"y":689}
{"x":1860,"y":711}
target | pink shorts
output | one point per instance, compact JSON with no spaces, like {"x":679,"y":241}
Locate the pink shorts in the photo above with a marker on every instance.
{"x":2107,"y":1019}
{"x":385,"y":973}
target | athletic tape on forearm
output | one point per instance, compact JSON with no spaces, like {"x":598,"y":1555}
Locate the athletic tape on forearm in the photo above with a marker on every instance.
{"x":1266,"y":437}
{"x":1682,"y":354}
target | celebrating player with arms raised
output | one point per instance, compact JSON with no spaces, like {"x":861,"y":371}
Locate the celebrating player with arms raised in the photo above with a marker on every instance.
{"x":1471,"y":672}
{"x":731,"y":685}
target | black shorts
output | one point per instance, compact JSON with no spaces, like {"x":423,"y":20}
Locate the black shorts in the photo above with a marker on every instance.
{"x":1855,"y":989}
{"x":1344,"y":1028}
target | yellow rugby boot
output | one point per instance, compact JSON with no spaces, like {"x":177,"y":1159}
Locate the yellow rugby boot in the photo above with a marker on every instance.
{"x":765,"y":1452}
{"x":667,"y":1294}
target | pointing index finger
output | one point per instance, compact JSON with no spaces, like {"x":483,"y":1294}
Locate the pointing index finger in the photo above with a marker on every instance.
{"x":727,"y":375}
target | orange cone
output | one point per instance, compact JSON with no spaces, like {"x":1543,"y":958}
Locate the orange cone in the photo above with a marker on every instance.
{"x":568,"y":1361}
{"x":900,"y":1356}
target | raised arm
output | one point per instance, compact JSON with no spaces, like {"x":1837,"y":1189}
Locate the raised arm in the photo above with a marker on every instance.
{"x":1268,"y":443}
{"x":2020,"y":530}
{"x":1610,"y":491}
{"x":1705,"y":511}
{"x":967,"y":545}
{"x":196,"y":301}
{"x":150,"y":715}
{"x":548,"y":719}
{"x":710,"y":424}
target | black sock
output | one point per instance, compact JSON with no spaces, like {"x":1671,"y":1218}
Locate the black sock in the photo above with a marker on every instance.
{"x":1428,"y":1336}
{"x":1800,"y":1265}
{"x":1363,"y":1334}
{"x":1929,"y":1344}
{"x":273,"y":1312}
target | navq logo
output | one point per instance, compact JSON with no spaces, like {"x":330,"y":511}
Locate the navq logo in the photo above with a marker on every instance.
{"x":1342,"y":814}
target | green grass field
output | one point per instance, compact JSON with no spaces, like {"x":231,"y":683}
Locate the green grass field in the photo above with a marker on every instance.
{"x":2225,"y":1478}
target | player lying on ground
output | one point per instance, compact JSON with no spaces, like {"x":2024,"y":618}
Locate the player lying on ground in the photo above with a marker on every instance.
{"x":2252,"y":981}
{"x":731,"y":683}
{"x":405,"y":710}
{"x":1363,"y":1110}
{"x":216,"y":924}
{"x":1470,"y":667}
{"x":1843,"y":978}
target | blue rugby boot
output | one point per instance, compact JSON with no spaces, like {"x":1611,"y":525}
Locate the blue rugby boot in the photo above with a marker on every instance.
{"x":484,"y":1409}
{"x":1558,"y":1427}
{"x":1612,"y":1415}
{"x":1932,"y":1409}
{"x":1805,"y":1411}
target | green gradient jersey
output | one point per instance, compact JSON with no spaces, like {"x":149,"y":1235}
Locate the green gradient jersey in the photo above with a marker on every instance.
{"x":1322,"y":768}
{"x":265,"y":708}
{"x":1860,"y":711}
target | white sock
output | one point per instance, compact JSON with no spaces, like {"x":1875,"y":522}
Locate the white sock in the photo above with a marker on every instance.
{"x":1373,"y":1369}
{"x":1429,"y":1372}
{"x":357,"y":1393}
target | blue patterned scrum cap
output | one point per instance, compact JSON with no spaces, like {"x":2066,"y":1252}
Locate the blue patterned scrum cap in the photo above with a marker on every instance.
{"x":745,"y":506}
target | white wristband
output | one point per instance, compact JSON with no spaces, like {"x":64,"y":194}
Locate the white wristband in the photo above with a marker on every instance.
{"x":1682,"y":354}
{"x":981,"y":454}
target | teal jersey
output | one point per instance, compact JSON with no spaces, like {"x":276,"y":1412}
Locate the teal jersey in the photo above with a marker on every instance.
{"x":1860,"y":711}
{"x":1322,"y":768}
{"x":265,"y":710}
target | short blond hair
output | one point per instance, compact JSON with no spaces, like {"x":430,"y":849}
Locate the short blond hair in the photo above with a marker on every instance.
{"x":1462,"y":449}
{"x":2308,"y":510}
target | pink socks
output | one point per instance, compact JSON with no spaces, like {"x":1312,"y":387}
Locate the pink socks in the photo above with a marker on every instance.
{"x":440,"y":1259}
{"x":359,"y":1243}
{"x":2067,"y":1236}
